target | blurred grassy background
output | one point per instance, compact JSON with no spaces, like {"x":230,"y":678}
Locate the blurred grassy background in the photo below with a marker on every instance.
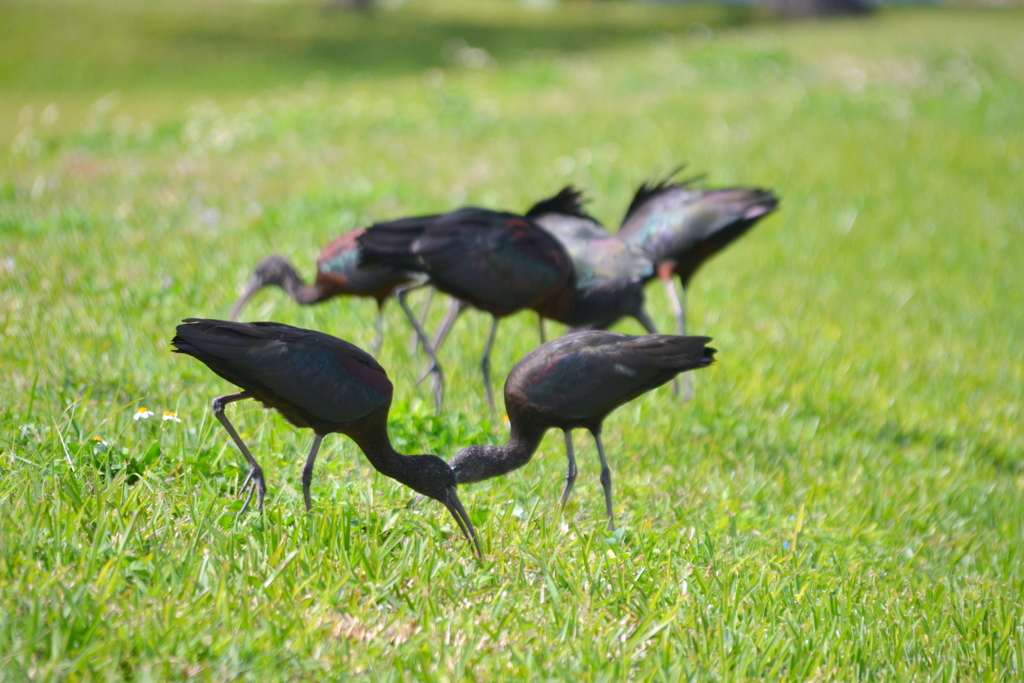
{"x":841,"y":500}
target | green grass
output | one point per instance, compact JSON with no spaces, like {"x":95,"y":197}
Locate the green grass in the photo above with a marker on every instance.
{"x":842,"y":500}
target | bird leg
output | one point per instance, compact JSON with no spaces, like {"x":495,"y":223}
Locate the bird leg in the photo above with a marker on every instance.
{"x":380,"y":328}
{"x":307,"y":470}
{"x":457,"y":307}
{"x":606,"y":479}
{"x":435,"y":367}
{"x":679,"y":309}
{"x":540,"y":327}
{"x":570,"y":472}
{"x":645,"y":320}
{"x":414,"y":343}
{"x":485,"y":364}
{"x":254,"y":481}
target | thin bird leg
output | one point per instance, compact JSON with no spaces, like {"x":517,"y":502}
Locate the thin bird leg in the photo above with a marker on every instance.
{"x":645,"y":320}
{"x":307,"y":470}
{"x":540,"y":327}
{"x":414,"y":343}
{"x":679,"y":307}
{"x":380,"y":328}
{"x":454,"y":310}
{"x":606,"y":479}
{"x":685,"y":393}
{"x":254,"y":481}
{"x":435,"y":367}
{"x":570,"y":472}
{"x":485,"y":364}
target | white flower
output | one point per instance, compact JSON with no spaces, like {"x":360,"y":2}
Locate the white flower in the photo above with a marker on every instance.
{"x":99,"y":442}
{"x":168,"y":415}
{"x":143,"y":413}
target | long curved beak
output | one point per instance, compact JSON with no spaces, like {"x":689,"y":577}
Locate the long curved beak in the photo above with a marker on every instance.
{"x":454,"y":506}
{"x":254,"y":286}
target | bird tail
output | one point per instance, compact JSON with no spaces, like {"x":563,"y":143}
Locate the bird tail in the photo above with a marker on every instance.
{"x":391,"y":243}
{"x":744,"y":204}
{"x":205,"y":337}
{"x":654,"y":189}
{"x":569,"y":201}
{"x":675,"y":352}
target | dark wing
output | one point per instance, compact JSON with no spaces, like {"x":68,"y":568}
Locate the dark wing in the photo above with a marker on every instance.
{"x":679,"y":222}
{"x":311,"y":377}
{"x":392,"y":243}
{"x":498,"y":262}
{"x":586,"y":375}
{"x":653,"y":189}
{"x":338,"y":269}
{"x":651,"y":219}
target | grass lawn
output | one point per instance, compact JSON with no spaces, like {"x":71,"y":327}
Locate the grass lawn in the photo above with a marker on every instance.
{"x":842,"y":499}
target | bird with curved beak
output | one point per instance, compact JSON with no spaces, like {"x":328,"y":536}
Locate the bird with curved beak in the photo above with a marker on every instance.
{"x":318,"y":382}
{"x":576,"y":381}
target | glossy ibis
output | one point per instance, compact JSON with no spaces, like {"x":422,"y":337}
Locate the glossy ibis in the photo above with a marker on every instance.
{"x":496,"y":262}
{"x":318,"y":382}
{"x":681,"y":226}
{"x":337,"y":273}
{"x":576,"y":381}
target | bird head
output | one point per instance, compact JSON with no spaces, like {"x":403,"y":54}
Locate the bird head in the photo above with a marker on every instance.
{"x":435,"y":479}
{"x":273,"y":270}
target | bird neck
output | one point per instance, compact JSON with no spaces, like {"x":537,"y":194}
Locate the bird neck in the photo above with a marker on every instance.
{"x":291,"y":282}
{"x":476,"y":463}
{"x":373,"y":440}
{"x":376,"y":445}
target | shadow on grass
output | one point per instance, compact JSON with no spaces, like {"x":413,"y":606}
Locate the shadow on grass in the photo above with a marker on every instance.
{"x":410,"y":43}
{"x":1004,"y":458}
{"x":240,"y":45}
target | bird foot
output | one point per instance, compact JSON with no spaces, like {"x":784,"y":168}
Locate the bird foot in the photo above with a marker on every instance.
{"x":253,"y":483}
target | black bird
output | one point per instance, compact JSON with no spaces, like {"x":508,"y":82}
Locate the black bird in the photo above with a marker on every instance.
{"x":317,"y":382}
{"x":337,"y":273}
{"x":576,"y":381}
{"x":494,"y":261}
{"x":681,"y":226}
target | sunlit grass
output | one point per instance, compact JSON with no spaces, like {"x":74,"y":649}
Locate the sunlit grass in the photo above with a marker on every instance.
{"x":842,"y":499}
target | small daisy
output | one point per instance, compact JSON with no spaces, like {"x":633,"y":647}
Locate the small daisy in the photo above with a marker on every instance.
{"x":100,"y":442}
{"x":168,"y":415}
{"x":143,"y":413}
